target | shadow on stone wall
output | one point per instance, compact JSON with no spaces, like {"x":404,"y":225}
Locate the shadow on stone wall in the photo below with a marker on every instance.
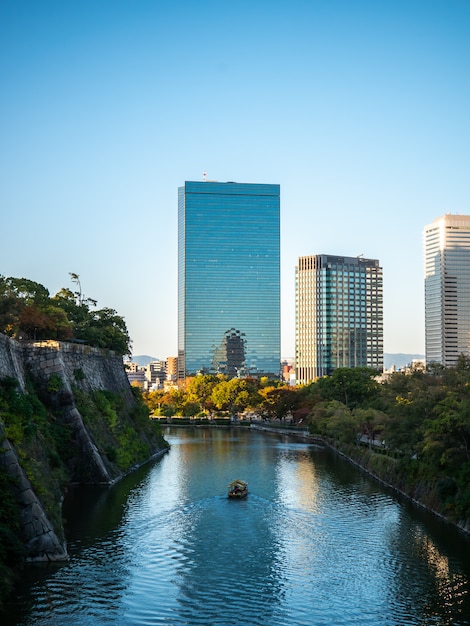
{"x":59,"y":370}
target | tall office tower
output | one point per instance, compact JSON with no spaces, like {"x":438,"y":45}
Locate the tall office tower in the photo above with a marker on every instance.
{"x":447,"y":289}
{"x":228,"y":279}
{"x":339,"y":315}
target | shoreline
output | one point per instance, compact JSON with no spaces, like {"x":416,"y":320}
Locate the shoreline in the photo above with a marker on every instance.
{"x":320,"y":441}
{"x":315,"y":439}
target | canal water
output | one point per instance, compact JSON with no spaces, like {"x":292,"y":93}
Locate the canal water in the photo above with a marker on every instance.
{"x":316,"y":542}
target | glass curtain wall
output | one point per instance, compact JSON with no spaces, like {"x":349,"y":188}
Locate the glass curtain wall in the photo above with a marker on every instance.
{"x":229,"y":279}
{"x":339,"y":315}
{"x":447,"y":289}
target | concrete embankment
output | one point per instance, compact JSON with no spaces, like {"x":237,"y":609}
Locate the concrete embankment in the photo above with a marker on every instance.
{"x":299,"y":433}
{"x":305,"y":435}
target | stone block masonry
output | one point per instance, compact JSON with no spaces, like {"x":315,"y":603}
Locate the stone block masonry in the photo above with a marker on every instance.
{"x":88,"y":368}
{"x":77,"y":366}
{"x":39,"y":538}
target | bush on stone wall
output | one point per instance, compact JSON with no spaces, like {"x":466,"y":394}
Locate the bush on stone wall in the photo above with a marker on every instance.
{"x":41,"y":443}
{"x":122,"y":431}
{"x":11,"y":547}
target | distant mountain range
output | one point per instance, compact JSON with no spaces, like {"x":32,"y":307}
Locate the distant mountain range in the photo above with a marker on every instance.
{"x":399,"y":360}
{"x":143,"y":359}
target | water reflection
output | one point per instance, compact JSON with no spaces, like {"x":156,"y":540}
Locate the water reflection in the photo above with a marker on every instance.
{"x":450,"y":588}
{"x":223,"y":533}
{"x":296,"y":479}
{"x":316,"y":542}
{"x":225,"y":551}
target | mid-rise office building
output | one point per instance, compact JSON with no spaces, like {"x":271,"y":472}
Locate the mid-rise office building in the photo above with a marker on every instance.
{"x":339,"y":315}
{"x":447,"y":289}
{"x":228,"y":279}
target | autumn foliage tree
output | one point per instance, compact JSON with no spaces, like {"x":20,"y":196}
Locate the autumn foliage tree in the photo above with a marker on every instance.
{"x":417,"y":424}
{"x":27,"y":311}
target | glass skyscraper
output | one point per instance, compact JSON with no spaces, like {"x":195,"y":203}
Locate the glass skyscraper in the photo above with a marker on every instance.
{"x":228,"y":279}
{"x":339,"y":315}
{"x":447,"y":289}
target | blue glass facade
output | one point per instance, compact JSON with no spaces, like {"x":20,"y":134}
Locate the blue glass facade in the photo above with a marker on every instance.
{"x":228,"y":279}
{"x":339,"y":315}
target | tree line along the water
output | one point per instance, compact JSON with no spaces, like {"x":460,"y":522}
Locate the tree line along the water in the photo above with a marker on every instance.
{"x":411,"y":429}
{"x":28,"y":311}
{"x":415,"y":426}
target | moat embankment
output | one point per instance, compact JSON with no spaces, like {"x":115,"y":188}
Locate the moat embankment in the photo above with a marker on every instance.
{"x":67,"y":415}
{"x":316,"y":541}
{"x":363,"y":458}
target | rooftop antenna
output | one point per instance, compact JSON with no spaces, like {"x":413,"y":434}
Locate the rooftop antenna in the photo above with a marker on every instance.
{"x":204,"y":174}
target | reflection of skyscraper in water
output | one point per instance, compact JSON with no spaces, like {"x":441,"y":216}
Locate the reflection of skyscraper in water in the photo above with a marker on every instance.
{"x":228,"y":279}
{"x":229,"y":357}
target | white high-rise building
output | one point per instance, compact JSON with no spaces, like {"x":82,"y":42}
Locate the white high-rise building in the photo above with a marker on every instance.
{"x":447,"y":289}
{"x":339,"y":315}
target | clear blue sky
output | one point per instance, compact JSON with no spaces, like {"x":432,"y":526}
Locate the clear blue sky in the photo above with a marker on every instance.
{"x":360,"y":110}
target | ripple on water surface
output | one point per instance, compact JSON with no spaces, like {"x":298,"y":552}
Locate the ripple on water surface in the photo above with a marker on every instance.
{"x":313,"y":544}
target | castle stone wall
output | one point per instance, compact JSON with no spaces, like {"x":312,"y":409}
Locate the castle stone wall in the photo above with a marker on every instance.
{"x":76,"y":365}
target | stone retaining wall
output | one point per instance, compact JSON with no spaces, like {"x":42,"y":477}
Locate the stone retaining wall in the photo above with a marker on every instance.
{"x":88,"y":368}
{"x":12,"y":360}
{"x":75,"y":365}
{"x":39,"y":538}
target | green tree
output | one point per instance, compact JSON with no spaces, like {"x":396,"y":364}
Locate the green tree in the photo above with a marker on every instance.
{"x":233,"y":395}
{"x":27,"y":311}
{"x":409,"y":400}
{"x":449,"y":431}
{"x":78,"y":314}
{"x":154,"y":400}
{"x":102,"y":328}
{"x":278,"y":401}
{"x":335,"y":420}
{"x":25,"y":290}
{"x":352,"y":386}
{"x":176,"y":401}
{"x":106,"y":329}
{"x":371,"y":423}
{"x":199,"y":390}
